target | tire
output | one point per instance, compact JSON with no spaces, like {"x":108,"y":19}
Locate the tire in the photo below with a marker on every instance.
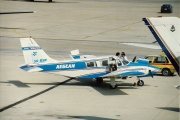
{"x":166,"y":72}
{"x":113,"y":87}
{"x":99,"y":81}
{"x":140,"y":83}
{"x":124,"y":77}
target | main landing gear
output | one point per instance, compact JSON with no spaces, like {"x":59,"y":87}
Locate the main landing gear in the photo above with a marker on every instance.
{"x":99,"y":81}
{"x":113,"y":86}
{"x":112,"y":80}
{"x":113,"y":83}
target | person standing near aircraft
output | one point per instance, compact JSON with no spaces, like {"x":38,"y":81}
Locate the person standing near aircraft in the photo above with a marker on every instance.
{"x":118,"y":54}
{"x":123,"y":56}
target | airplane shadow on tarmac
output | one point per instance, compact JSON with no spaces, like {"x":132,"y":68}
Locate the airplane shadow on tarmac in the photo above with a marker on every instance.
{"x":79,"y":117}
{"x":175,"y":109}
{"x":36,"y":1}
{"x":104,"y":88}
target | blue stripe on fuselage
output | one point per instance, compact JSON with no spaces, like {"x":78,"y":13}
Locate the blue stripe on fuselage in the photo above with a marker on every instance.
{"x":137,"y":64}
{"x":64,"y":66}
{"x":132,"y":73}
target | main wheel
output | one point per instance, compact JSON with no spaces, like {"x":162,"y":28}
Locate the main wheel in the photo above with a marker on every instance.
{"x":99,"y":81}
{"x":166,"y":72}
{"x":113,"y":87}
{"x":124,"y":77}
{"x":140,"y":83}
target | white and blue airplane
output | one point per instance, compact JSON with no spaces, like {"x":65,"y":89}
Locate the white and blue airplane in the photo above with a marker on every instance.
{"x":95,"y":68}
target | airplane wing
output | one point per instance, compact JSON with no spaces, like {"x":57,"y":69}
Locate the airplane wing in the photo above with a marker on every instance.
{"x":124,"y":73}
{"x":151,"y":45}
{"x":166,"y":31}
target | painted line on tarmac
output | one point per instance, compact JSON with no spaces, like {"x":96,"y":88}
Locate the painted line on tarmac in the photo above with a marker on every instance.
{"x":19,"y":12}
{"x":32,"y":96}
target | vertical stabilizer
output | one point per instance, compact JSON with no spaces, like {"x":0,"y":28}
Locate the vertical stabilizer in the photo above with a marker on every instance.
{"x":33,"y":54}
{"x":166,"y":30}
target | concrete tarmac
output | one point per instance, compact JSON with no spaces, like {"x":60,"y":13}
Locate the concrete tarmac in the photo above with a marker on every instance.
{"x":94,"y":27}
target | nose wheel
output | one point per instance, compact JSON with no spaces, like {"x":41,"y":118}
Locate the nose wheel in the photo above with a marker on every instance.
{"x":140,"y":83}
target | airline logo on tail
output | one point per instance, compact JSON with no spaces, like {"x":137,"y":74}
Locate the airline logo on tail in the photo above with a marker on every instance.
{"x":34,"y":53}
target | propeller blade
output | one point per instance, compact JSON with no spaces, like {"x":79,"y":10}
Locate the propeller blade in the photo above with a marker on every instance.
{"x":134,"y":59}
{"x":150,"y":73}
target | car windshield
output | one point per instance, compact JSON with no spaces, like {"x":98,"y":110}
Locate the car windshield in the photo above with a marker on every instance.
{"x":166,"y":6}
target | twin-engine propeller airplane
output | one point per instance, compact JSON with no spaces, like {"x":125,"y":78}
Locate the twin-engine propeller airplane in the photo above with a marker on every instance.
{"x":96,"y":68}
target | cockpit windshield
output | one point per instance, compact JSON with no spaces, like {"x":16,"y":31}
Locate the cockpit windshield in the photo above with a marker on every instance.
{"x":125,"y":62}
{"x":121,"y":62}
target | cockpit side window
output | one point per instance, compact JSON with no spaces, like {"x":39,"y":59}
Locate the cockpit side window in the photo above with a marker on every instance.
{"x":119,"y":63}
{"x":105,"y":63}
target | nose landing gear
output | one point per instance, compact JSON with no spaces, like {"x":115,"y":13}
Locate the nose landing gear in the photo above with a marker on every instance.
{"x":140,"y":83}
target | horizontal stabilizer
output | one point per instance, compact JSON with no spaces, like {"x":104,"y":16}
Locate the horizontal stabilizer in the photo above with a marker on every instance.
{"x":30,"y":69}
{"x":150,"y":46}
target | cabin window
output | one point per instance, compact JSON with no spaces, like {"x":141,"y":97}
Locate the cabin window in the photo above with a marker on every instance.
{"x":160,"y":60}
{"x":125,"y":62}
{"x":90,"y":64}
{"x":105,"y":63}
{"x":119,"y":63}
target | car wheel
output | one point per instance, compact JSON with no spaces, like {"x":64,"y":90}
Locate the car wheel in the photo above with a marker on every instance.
{"x":166,"y":72}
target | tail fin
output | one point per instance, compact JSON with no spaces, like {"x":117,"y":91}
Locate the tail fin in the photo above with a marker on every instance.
{"x":166,"y":31}
{"x":33,"y":54}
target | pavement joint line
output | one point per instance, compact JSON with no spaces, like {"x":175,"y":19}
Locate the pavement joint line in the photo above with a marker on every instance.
{"x":166,"y":106}
{"x":70,"y":22}
{"x":114,"y":29}
{"x":32,"y":96}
